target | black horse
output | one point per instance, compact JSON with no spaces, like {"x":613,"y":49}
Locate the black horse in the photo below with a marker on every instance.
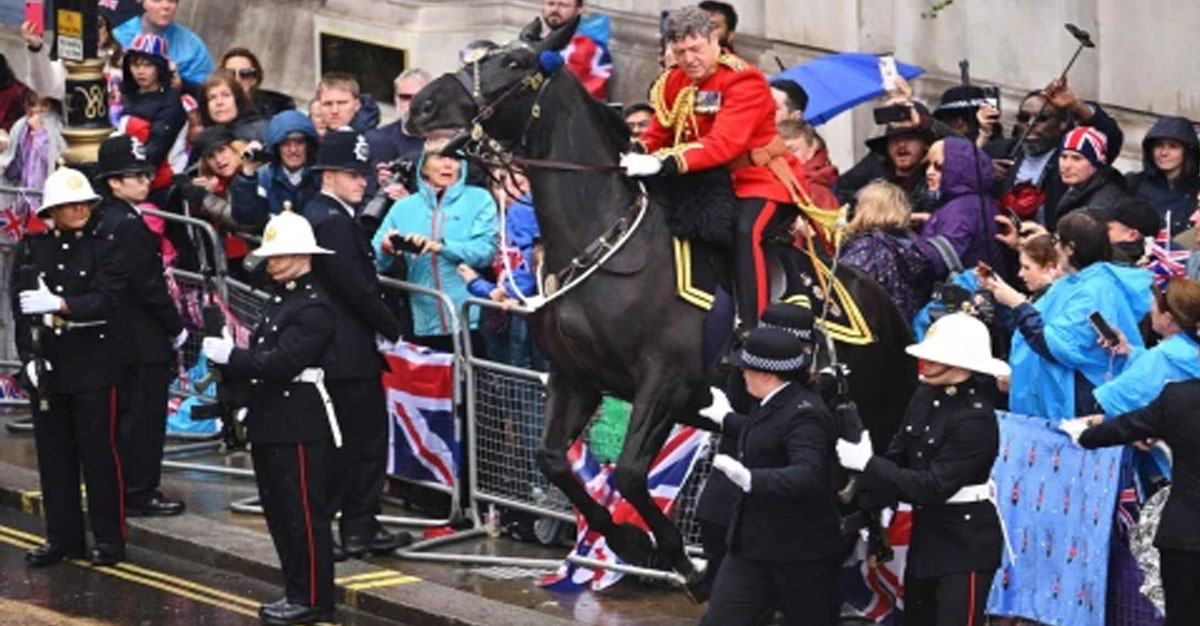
{"x":621,"y":331}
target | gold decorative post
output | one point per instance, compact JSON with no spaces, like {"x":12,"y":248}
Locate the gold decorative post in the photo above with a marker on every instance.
{"x":86,"y":100}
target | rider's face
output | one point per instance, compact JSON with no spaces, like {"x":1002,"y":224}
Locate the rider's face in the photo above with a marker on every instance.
{"x":696,"y":55}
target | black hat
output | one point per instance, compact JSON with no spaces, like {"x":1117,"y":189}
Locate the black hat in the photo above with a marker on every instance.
{"x":960,"y":99}
{"x":878,"y":143}
{"x":772,"y":350}
{"x":795,"y":93}
{"x":122,"y":154}
{"x":1134,"y":212}
{"x":212,"y":138}
{"x":792,"y":318}
{"x":344,"y":150}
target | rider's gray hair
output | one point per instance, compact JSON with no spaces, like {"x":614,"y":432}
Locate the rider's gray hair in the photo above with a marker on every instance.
{"x":688,"y":21}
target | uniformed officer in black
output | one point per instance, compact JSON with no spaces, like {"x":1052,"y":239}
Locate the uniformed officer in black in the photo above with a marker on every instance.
{"x":715,"y":507}
{"x":80,"y":279}
{"x":784,"y":541}
{"x":355,"y":365}
{"x":291,"y":423}
{"x":148,"y":323}
{"x":940,"y":462}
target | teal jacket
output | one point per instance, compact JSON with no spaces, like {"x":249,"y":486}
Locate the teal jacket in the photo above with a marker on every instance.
{"x":463,"y":218}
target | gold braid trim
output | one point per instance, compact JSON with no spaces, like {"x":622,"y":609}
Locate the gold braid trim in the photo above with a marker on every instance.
{"x":676,"y":152}
{"x":658,"y":99}
{"x":732,"y":61}
{"x":679,"y":115}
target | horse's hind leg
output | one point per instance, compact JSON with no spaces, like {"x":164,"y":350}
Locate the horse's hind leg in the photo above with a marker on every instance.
{"x":649,"y":426}
{"x":569,"y":409}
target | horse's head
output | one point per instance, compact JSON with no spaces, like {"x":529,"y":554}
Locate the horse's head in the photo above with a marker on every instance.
{"x":496,"y":87}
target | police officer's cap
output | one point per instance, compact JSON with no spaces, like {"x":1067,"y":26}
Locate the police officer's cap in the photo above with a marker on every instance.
{"x":792,"y":318}
{"x":772,"y":350}
{"x":343,"y":150}
{"x":122,"y":154}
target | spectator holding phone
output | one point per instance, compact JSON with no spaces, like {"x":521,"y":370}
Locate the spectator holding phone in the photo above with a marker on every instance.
{"x":1038,"y":264}
{"x":445,"y":224}
{"x":1056,"y":357}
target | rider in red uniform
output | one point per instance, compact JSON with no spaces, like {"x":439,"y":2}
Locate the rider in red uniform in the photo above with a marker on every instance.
{"x":714,"y":109}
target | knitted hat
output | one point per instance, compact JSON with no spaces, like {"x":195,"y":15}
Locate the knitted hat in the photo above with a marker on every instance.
{"x":1089,"y":142}
{"x":148,"y":44}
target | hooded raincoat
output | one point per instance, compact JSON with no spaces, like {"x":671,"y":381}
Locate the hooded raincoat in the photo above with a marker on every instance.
{"x":1056,"y":359}
{"x":1175,"y":201}
{"x":966,"y":217}
{"x":463,"y":219}
{"x":256,"y":198}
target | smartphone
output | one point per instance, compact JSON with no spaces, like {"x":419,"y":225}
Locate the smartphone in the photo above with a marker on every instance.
{"x":35,"y":13}
{"x":984,"y":270}
{"x":888,"y":72}
{"x":991,"y":97}
{"x":1013,"y":217}
{"x":401,"y":244}
{"x":894,"y":113}
{"x":1102,"y":328}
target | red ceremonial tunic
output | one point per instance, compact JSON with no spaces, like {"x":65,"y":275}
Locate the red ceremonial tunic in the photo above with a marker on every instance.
{"x":712,"y":123}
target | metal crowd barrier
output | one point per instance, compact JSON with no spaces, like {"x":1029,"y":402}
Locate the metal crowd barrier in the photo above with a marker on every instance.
{"x":15,"y":204}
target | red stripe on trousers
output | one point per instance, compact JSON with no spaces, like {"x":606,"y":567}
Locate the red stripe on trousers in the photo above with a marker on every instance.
{"x":760,"y":263}
{"x":312,"y":550}
{"x":112,"y":443}
{"x":971,"y":599}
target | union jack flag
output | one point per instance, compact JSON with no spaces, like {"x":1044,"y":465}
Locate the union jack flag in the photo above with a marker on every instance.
{"x":1166,"y":259}
{"x":877,"y":592}
{"x":12,"y":225}
{"x":10,"y":390}
{"x":668,"y":473}
{"x":423,"y":440}
{"x":587,"y":55}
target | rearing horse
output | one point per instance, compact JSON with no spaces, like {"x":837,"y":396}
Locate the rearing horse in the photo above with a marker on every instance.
{"x":622,"y":330}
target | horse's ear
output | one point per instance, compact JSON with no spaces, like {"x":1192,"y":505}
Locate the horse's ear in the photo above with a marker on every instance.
{"x":532,"y":33}
{"x":561,"y":36}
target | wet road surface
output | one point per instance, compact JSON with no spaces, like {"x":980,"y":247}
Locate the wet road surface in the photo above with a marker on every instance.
{"x":148,"y":589}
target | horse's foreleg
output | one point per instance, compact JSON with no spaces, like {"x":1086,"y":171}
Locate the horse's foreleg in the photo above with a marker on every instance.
{"x":649,"y":426}
{"x":569,"y":409}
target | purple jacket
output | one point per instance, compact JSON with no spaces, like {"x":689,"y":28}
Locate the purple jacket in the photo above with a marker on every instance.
{"x":966,"y":214}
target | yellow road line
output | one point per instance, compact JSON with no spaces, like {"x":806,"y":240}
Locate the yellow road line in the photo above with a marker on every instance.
{"x":387,"y":582}
{"x":147,"y":577}
{"x":367,"y":576}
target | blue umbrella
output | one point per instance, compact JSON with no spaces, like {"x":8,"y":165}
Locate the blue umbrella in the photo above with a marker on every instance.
{"x":837,"y":82}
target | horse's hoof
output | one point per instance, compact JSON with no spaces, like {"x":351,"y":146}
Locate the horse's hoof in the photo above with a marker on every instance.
{"x":630,"y":543}
{"x":697,"y":587}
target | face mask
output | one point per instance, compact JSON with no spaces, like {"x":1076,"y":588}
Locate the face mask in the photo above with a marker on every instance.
{"x":1128,"y":251}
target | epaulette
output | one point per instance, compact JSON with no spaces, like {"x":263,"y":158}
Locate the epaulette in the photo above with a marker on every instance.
{"x":658,"y":98}
{"x":732,"y":61}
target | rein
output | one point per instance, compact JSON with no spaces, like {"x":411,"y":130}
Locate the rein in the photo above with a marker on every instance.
{"x":490,"y":154}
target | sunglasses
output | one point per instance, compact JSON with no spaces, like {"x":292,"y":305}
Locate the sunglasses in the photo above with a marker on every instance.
{"x":405,"y":97}
{"x":246,"y":72}
{"x":1024,"y":117}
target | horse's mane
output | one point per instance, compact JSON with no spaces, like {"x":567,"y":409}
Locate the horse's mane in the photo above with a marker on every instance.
{"x":612,"y":125}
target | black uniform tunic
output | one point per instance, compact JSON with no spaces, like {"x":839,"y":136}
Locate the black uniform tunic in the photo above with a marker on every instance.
{"x":290,"y":435}
{"x":949,"y":440}
{"x":80,"y":348}
{"x":784,"y":541}
{"x":147,"y":323}
{"x":355,"y":364}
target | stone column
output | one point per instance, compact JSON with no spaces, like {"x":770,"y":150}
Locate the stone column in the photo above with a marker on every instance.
{"x":86,"y":100}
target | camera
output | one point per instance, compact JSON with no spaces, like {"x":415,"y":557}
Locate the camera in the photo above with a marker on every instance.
{"x":991,"y":96}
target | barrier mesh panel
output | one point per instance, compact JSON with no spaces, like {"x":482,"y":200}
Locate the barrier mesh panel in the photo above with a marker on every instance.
{"x":684,"y":513}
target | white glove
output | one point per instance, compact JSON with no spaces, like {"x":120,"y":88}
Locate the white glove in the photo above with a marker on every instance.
{"x":31,"y":373}
{"x":40,"y":300}
{"x":636,"y":164}
{"x":886,"y":516}
{"x":217,"y":349}
{"x":383,"y":344}
{"x":734,"y":469}
{"x":854,"y":456}
{"x":180,"y":339}
{"x":718,"y":409}
{"x":1074,"y":428}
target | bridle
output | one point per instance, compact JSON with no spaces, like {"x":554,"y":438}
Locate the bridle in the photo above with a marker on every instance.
{"x":476,"y":145}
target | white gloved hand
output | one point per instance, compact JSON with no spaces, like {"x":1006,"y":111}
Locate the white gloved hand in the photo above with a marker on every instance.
{"x":719,"y":408}
{"x":383,"y":344}
{"x":886,"y":516}
{"x":218,"y":349}
{"x":180,"y":339}
{"x":734,"y":469}
{"x":640,"y":164}
{"x":31,"y":373}
{"x":1074,"y":428}
{"x":854,"y":456}
{"x":40,"y":300}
